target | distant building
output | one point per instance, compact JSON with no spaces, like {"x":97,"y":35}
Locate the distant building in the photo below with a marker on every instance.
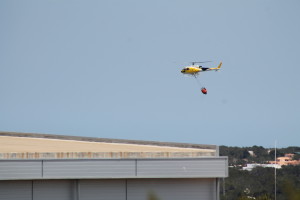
{"x":251,"y":153}
{"x":249,"y":167}
{"x":290,"y":155}
{"x":286,"y":160}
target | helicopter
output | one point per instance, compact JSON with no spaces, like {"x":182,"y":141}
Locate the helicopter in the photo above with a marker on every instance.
{"x":195,"y":69}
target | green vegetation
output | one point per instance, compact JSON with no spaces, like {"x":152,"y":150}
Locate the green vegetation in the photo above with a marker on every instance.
{"x":152,"y":196}
{"x":259,"y":184}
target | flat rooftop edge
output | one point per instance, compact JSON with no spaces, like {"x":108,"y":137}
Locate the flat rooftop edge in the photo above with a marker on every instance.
{"x":190,"y":149}
{"x":108,"y":140}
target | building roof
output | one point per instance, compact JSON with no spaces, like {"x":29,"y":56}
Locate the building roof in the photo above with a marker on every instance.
{"x":44,"y":146}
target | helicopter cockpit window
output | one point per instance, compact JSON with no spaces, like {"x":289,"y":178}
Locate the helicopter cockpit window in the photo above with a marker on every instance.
{"x":187,"y":68}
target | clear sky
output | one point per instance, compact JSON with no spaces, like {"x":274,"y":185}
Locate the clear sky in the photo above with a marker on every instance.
{"x":111,"y":69}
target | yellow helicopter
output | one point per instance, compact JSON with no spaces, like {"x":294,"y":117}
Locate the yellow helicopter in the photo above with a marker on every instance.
{"x":195,"y":69}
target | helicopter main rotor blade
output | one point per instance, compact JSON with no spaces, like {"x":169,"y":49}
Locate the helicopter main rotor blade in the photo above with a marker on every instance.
{"x":201,"y":62}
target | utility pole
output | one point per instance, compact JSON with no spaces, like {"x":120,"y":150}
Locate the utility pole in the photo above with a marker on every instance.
{"x":224,"y":186}
{"x":275,"y":166}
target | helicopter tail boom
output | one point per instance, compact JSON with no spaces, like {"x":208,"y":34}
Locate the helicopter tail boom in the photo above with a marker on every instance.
{"x":216,"y":69}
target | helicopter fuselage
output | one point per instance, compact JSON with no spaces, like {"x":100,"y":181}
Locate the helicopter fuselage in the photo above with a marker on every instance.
{"x":195,"y":69}
{"x":191,"y":70}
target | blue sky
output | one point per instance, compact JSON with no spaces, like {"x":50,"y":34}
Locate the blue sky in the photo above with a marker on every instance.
{"x":111,"y":69}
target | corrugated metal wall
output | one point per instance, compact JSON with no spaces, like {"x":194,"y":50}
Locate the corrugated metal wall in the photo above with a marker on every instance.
{"x":53,"y":189}
{"x":212,"y":167}
{"x":111,"y":189}
{"x":102,"y":190}
{"x":25,"y":169}
{"x":204,"y":168}
{"x":172,"y":189}
{"x":16,"y":190}
{"x":115,"y":179}
{"x":88,"y":168}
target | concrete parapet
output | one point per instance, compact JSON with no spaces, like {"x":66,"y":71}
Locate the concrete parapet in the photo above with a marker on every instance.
{"x":103,"y":155}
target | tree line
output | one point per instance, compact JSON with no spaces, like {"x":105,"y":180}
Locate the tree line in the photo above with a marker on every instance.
{"x":259,"y":184}
{"x":261,"y":155}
